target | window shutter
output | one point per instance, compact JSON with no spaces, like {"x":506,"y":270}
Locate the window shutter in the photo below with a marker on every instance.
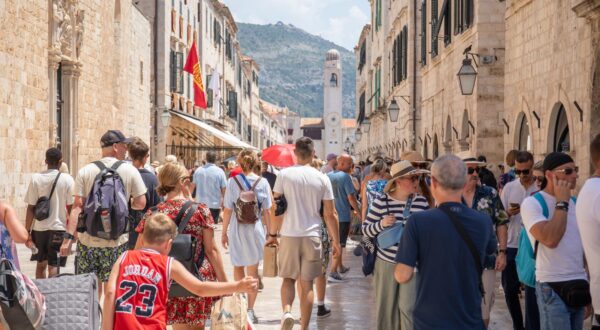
{"x":173,"y":72}
{"x":404,"y":53}
{"x":179,"y":72}
{"x":394,"y":67}
{"x":447,"y":24}
{"x":469,"y":13}
{"x":423,"y":33}
{"x":434,"y":40}
{"x":232,"y":100}
{"x":209,"y":93}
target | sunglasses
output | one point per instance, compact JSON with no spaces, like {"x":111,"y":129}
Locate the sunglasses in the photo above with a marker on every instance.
{"x":538,"y":178}
{"x":569,"y":170}
{"x":411,"y":178}
{"x":421,"y":165}
{"x":524,"y":172}
{"x":472,"y":170}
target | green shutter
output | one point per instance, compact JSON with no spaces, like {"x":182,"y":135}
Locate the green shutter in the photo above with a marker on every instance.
{"x":394,"y":66}
{"x":405,"y":53}
{"x":434,"y":22}
{"x":209,"y":93}
{"x":423,"y":33}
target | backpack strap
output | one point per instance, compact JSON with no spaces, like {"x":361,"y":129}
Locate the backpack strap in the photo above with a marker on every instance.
{"x":116,"y":165}
{"x":54,"y":186}
{"x":255,"y":183}
{"x":538,"y":196}
{"x":467,"y":239}
{"x":180,"y":220}
{"x":238,"y":183}
{"x":100,"y":165}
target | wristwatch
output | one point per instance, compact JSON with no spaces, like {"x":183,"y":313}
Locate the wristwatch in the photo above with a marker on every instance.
{"x":562,"y":205}
{"x":502,"y":251}
{"x":273,"y":235}
{"x":68,"y":236}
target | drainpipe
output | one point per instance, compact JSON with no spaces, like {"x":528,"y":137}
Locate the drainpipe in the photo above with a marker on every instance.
{"x":414,"y":91}
{"x":155,"y":64}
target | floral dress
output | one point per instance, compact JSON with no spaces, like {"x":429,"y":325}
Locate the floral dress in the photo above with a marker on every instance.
{"x":189,"y":310}
{"x":486,"y":200}
{"x":8,"y":248}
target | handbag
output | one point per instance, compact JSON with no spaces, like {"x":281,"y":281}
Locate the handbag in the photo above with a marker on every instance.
{"x":574,"y":293}
{"x":467,"y":239}
{"x":41,"y":210}
{"x":23,"y":305}
{"x":230,"y":313}
{"x":391,"y":236}
{"x":183,"y":248}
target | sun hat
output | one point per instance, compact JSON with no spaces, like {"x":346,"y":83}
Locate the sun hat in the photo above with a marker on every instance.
{"x":401,"y":169}
{"x":470,"y":159}
{"x":413,"y":157}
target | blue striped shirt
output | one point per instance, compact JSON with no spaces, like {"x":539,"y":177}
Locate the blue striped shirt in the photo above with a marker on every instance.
{"x":383,"y":206}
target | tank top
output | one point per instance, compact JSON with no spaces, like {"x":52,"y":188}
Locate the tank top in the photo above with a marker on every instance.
{"x":8,"y":248}
{"x":142,"y":290}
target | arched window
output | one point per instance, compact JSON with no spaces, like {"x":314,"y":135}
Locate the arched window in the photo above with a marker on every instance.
{"x":334,"y":80}
{"x":426,"y":148}
{"x":562,"y":143}
{"x":524,"y":136}
{"x":435,"y":147}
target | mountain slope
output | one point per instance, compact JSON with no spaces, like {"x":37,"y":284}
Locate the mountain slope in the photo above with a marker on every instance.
{"x":291,"y":62}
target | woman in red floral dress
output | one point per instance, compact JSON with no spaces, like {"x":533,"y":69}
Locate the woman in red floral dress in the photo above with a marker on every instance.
{"x":189,"y":312}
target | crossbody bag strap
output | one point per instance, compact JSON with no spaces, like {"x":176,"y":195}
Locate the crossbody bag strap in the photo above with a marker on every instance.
{"x":178,"y":218}
{"x":189,"y":213}
{"x":53,"y":186}
{"x":407,"y":207}
{"x":245,"y":180}
{"x":467,"y":239}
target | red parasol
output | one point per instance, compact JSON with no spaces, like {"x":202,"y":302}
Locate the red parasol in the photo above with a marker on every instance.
{"x":280,"y":155}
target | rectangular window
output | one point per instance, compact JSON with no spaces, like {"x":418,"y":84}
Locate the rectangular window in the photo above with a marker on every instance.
{"x":176,"y":76}
{"x":394,"y":62}
{"x":447,"y":24}
{"x":423,"y":33}
{"x":361,"y":107}
{"x":434,"y":28}
{"x":458,"y":16}
{"x":209,"y":93}
{"x":363,"y":56}
{"x":232,"y":104}
{"x":378,"y":16}
{"x":404,"y":53}
{"x":377,"y":88}
{"x":468,"y":14}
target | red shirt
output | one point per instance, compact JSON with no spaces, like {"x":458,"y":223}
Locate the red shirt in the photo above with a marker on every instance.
{"x":235,"y":171}
{"x":142,"y":290}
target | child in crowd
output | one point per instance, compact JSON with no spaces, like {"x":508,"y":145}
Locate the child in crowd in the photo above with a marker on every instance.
{"x":138,"y":287}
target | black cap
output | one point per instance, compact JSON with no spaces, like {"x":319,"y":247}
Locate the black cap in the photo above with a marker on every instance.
{"x":113,"y":136}
{"x":556,"y":159}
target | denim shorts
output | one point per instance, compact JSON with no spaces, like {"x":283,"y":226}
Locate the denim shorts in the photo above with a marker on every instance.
{"x":554,"y":313}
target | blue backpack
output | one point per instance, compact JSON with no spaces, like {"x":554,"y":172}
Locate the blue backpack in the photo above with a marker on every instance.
{"x":526,"y":254}
{"x":106,"y":210}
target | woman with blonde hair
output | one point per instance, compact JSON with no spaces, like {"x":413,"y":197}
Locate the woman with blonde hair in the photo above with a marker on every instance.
{"x":173,"y":185}
{"x":246,"y":240}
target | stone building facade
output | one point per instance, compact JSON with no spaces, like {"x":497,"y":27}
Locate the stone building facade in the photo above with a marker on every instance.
{"x":552,"y":84}
{"x":58,"y":82}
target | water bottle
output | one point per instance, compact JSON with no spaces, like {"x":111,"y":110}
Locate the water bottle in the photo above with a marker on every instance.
{"x":34,"y":250}
{"x":105,"y":217}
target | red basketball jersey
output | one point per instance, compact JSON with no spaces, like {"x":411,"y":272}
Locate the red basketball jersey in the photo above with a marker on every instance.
{"x":142,"y":290}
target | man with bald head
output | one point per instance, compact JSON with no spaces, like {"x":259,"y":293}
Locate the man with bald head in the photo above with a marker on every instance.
{"x":345,"y":201}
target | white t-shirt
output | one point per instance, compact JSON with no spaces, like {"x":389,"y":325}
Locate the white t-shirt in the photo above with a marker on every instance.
{"x":515,"y":192}
{"x":134,"y":187}
{"x":304,"y":188}
{"x":565,"y":262}
{"x":588,"y":220}
{"x":40,"y":185}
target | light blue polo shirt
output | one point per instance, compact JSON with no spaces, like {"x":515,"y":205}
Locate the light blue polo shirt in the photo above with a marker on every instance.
{"x":209,"y":180}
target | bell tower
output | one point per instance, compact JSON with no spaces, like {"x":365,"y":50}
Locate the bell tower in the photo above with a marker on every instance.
{"x":332,"y":103}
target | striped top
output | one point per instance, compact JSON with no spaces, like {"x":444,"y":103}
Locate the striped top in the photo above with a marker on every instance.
{"x":381,"y":207}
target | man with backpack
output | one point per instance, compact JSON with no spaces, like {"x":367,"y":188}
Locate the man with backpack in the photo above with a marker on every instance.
{"x":550,"y":221}
{"x":102,"y":192}
{"x":512,"y":196}
{"x":47,"y":228}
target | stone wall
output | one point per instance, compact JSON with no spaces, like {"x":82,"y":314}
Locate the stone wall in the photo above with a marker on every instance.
{"x":110,"y":93}
{"x":551,"y":56}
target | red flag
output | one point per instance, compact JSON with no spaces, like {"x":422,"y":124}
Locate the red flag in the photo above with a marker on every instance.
{"x":192,"y":65}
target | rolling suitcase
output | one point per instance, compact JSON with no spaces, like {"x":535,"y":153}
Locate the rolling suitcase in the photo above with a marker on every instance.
{"x":71,"y":302}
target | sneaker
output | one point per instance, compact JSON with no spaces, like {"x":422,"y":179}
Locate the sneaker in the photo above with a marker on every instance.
{"x":335,"y":278}
{"x":252,"y":316}
{"x":287,"y":321}
{"x":344,"y":270}
{"x":323,"y":312}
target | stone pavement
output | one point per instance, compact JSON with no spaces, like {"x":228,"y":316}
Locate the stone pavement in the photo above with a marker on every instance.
{"x":351,"y":302}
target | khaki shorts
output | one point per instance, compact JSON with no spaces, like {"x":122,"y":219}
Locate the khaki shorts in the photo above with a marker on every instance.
{"x":489,"y":286}
{"x":300,"y":258}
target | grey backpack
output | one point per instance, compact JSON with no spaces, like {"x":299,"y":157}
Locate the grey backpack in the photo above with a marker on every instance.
{"x":106,"y":208}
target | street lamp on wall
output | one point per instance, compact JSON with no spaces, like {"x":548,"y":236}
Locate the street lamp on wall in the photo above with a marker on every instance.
{"x":358,"y":134}
{"x":367,"y":125}
{"x":467,"y":77}
{"x":394,"y":111}
{"x":165,"y":118}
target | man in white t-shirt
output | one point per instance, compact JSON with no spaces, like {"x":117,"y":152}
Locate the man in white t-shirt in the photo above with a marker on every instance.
{"x":588,"y":219}
{"x":305,"y":190}
{"x":94,"y":254}
{"x":47,"y":234}
{"x":512,"y":196}
{"x":559,"y":260}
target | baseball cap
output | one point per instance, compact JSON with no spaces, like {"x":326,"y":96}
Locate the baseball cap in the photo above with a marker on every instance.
{"x":331,"y":156}
{"x":113,"y":136}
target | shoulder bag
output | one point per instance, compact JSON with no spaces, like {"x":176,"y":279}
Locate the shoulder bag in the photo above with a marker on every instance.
{"x":41,"y":211}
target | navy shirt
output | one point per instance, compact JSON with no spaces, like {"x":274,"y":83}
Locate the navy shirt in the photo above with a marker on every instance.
{"x":152,"y":197}
{"x":448,"y":295}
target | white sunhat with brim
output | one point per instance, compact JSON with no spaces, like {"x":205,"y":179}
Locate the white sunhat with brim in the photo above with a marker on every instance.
{"x":401,"y":169}
{"x":470,"y":159}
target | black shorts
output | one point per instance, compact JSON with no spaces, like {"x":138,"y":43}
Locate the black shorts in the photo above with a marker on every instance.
{"x":48,"y":244}
{"x":344,"y":231}
{"x":215,"y":214}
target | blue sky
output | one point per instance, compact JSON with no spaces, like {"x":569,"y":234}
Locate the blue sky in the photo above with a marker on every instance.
{"x":339,"y":21}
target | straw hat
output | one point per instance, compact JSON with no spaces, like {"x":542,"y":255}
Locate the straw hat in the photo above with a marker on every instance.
{"x":413,"y":157}
{"x":401,"y":169}
{"x":469,"y":158}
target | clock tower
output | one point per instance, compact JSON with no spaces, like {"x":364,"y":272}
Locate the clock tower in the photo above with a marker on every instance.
{"x":332,"y":104}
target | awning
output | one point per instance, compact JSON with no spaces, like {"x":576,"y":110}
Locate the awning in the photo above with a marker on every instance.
{"x":224,"y":136}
